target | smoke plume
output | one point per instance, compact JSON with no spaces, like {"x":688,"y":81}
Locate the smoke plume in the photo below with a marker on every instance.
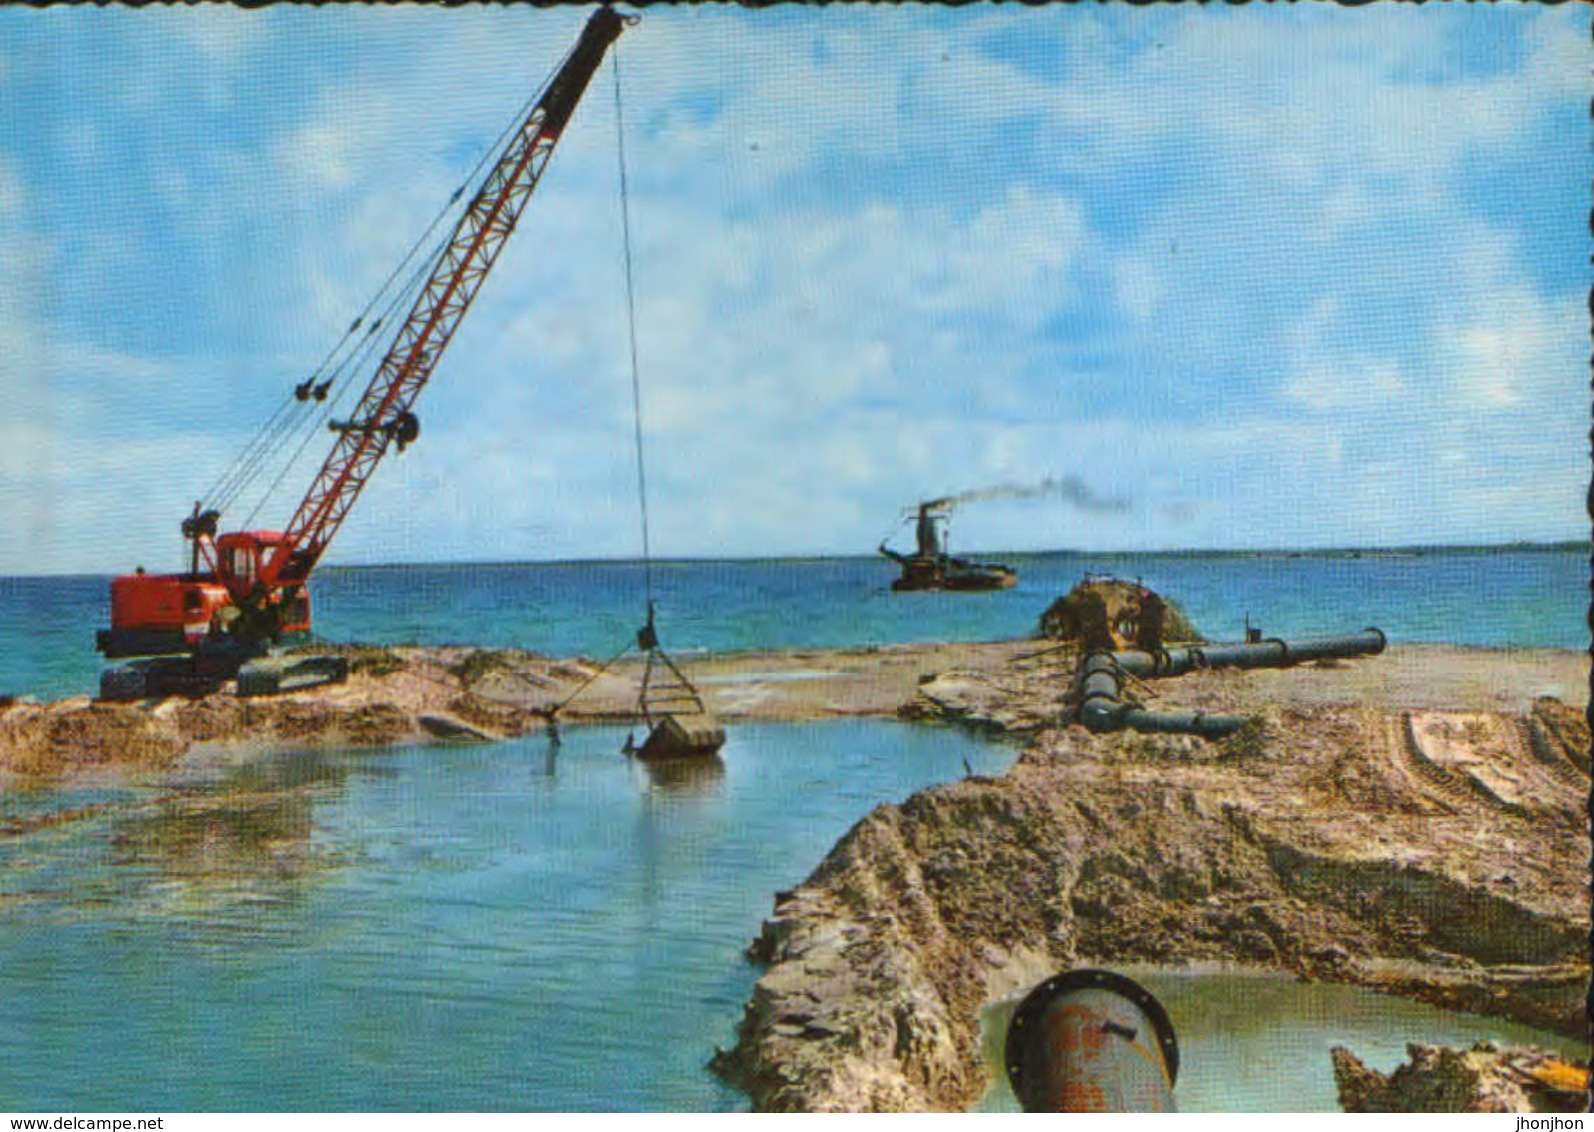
{"x":1071,"y":489}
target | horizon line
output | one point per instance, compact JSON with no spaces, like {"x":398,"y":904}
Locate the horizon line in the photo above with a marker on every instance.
{"x":1408,"y":549}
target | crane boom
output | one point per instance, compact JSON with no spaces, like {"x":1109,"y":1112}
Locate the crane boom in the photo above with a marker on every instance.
{"x":203,"y":625}
{"x":383,"y":414}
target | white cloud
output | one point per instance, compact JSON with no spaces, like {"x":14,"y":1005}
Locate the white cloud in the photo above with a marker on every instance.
{"x":1218,"y":265}
{"x":1327,"y":370}
{"x":1512,"y":348}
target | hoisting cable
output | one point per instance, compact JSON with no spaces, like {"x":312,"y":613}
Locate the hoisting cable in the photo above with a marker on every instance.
{"x":703,"y":737}
{"x":405,"y":296}
{"x":352,"y":362}
{"x":400,"y":298}
{"x":630,"y":308}
{"x":647,"y":637}
{"x":235,"y":470}
{"x":277,"y":433}
{"x":304,"y":424}
{"x":244,"y":467}
{"x":678,"y":699}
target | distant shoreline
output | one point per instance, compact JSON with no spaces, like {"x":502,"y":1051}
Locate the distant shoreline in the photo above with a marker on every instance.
{"x":1350,"y":552}
{"x":1414,"y":551}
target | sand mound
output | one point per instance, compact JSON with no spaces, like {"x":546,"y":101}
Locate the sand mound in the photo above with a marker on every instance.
{"x":392,"y":695}
{"x":1485,"y":1078}
{"x":1109,"y":613}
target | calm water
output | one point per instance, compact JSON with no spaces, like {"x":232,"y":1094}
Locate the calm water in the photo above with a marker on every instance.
{"x":475,"y":927}
{"x":1494,"y":598}
{"x":424,"y":928}
{"x":1260,"y":1043}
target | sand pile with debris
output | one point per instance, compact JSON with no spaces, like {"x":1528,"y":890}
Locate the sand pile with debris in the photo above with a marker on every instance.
{"x":1488,"y":1077}
{"x":392,"y":695}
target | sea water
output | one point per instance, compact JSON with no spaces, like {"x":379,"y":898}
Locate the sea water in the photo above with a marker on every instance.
{"x":1496,"y":598}
{"x":502,"y":926}
{"x":510,"y":927}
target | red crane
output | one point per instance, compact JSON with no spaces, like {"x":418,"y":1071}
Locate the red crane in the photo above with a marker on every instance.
{"x":245,"y":589}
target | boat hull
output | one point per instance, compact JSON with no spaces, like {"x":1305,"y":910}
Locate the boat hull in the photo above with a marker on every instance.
{"x":920,"y":574}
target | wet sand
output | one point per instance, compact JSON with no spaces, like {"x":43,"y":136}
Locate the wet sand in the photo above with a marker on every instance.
{"x":421,"y":694}
{"x":1411,"y":821}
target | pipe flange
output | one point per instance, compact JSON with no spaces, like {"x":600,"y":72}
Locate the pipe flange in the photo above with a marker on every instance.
{"x":1030,"y":1011}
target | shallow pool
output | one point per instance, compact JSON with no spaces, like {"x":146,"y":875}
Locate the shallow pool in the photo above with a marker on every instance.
{"x":1260,"y":1042}
{"x":474,"y":927}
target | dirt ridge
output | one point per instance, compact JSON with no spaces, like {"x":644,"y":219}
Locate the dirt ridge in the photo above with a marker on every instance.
{"x":1317,"y":846}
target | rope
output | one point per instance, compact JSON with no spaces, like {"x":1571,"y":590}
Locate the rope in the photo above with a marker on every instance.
{"x":602,"y":668}
{"x":630,"y":306}
{"x":455,"y":684}
{"x":647,"y":638}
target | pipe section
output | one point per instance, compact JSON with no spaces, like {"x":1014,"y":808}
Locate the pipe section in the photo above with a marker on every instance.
{"x":1275,"y":652}
{"x":1092,"y":1041}
{"x":1102,"y":707}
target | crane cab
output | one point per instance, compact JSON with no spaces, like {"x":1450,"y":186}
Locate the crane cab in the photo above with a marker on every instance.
{"x":241,"y":564}
{"x":168,"y":614}
{"x":240,"y":556}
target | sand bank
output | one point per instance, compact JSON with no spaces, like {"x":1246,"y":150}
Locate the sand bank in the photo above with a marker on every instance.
{"x":1411,"y":822}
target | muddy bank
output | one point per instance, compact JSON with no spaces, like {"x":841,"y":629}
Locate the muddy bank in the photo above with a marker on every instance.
{"x":396,"y":695}
{"x":1485,"y":1078}
{"x":391,"y":696}
{"x":1411,"y":822}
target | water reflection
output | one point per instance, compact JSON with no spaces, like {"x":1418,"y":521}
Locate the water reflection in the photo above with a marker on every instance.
{"x":301,"y":768}
{"x":194,"y":837}
{"x":244,"y":842}
{"x":696,"y":776}
{"x":426,"y":928}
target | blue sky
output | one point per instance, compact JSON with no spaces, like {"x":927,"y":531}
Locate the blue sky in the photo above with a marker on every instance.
{"x":1278,"y":276}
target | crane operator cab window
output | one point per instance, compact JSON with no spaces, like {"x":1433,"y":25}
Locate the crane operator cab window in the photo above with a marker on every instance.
{"x":244,"y":556}
{"x":242,"y":564}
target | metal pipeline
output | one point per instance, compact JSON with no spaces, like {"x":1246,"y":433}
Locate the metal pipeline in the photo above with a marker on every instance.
{"x":1102,"y":709}
{"x":1275,"y":652}
{"x":1092,"y":1041}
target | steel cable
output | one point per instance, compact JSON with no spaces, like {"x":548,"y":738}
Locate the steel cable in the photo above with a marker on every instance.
{"x":274,"y":434}
{"x":630,"y":306}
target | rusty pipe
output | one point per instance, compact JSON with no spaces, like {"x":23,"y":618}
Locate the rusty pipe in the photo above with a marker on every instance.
{"x":1090,"y":1040}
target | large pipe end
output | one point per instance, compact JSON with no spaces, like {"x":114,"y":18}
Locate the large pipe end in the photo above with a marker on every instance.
{"x":1091,"y":1040}
{"x":1101,"y":713}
